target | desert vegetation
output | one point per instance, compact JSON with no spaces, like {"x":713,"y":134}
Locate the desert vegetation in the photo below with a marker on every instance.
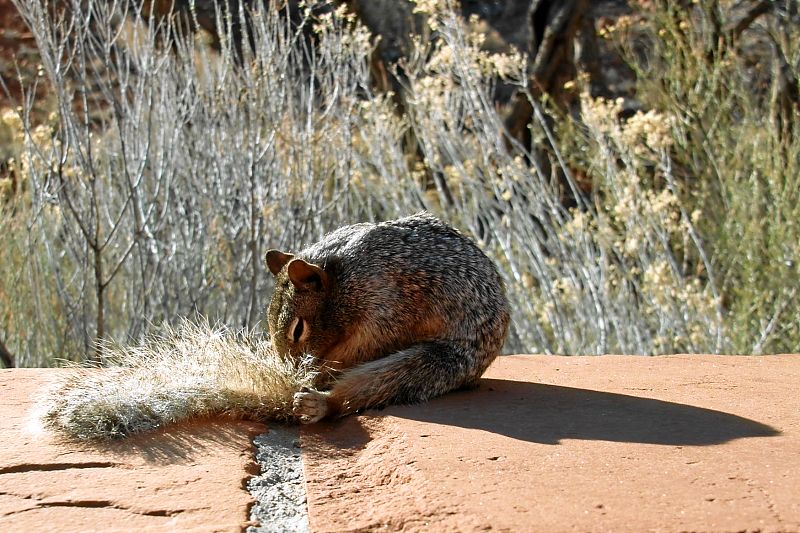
{"x":650,"y":213}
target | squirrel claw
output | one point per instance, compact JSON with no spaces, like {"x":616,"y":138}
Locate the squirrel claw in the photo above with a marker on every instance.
{"x":309,"y":406}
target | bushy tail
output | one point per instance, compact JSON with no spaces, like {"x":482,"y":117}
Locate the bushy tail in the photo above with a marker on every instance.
{"x":193,"y":370}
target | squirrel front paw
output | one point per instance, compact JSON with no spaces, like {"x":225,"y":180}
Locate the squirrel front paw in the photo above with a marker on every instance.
{"x":309,"y":405}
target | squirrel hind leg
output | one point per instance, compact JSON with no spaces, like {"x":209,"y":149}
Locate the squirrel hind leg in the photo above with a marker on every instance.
{"x":415,"y":374}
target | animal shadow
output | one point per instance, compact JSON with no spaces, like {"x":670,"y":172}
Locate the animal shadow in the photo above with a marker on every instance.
{"x":549,"y":413}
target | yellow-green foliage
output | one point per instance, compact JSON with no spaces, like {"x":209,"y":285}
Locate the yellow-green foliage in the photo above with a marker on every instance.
{"x":31,"y":312}
{"x":734,"y":149}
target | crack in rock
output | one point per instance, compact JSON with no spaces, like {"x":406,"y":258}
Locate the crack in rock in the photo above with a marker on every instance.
{"x":50,"y":467}
{"x":279,"y":489}
{"x":95,"y":504}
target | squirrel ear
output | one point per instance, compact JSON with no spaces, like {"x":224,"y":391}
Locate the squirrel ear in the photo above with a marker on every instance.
{"x":276,"y":260}
{"x":307,"y":276}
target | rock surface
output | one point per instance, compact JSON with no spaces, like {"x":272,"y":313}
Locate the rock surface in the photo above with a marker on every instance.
{"x":695,"y":443}
{"x":189,"y":477}
{"x":672,"y":443}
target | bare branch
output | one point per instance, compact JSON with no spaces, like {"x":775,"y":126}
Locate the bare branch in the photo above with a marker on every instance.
{"x":5,"y":356}
{"x":746,"y":19}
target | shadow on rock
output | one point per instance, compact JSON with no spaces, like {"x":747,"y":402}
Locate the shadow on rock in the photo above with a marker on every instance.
{"x":549,"y":413}
{"x":184,"y":442}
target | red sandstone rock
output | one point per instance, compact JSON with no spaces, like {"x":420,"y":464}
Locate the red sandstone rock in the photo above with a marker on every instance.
{"x":698,"y":443}
{"x":188,"y":478}
{"x":675,"y":443}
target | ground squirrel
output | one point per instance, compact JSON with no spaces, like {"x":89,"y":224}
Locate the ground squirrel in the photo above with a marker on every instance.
{"x":372,"y":314}
{"x":394,"y":312}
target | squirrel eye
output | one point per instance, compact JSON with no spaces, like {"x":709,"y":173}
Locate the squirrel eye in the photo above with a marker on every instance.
{"x":297,"y":329}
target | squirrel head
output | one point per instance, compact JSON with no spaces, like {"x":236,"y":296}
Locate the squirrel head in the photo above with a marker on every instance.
{"x":297,"y":307}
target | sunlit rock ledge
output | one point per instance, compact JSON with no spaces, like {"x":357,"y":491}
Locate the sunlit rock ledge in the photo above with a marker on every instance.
{"x":545,"y":443}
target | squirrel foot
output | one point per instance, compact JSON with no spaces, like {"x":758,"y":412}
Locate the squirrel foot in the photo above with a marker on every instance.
{"x":310,"y":405}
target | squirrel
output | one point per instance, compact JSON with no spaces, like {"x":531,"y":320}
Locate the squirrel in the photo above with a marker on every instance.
{"x":371,"y":315}
{"x":396,"y":312}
